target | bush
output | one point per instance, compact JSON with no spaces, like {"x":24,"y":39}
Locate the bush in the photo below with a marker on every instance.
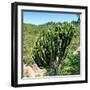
{"x":71,"y":65}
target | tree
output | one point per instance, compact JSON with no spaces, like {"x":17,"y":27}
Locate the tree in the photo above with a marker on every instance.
{"x":78,"y":16}
{"x":51,"y":47}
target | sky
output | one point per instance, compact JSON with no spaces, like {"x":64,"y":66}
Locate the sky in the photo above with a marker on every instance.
{"x":38,"y":18}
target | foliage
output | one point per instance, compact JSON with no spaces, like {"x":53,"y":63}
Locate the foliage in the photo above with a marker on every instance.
{"x":71,"y":65}
{"x":33,"y":33}
{"x":51,"y":47}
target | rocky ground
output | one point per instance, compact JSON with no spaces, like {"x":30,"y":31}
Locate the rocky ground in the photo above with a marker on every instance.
{"x":32,"y":71}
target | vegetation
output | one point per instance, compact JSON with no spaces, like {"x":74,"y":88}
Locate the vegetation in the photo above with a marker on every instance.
{"x":51,"y":46}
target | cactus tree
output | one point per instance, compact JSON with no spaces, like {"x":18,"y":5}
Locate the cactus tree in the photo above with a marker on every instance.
{"x":50,"y":47}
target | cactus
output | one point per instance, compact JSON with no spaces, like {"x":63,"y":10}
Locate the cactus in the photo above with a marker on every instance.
{"x":51,"y":47}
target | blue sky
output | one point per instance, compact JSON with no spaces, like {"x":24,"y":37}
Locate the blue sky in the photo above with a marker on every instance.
{"x":44,"y":17}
